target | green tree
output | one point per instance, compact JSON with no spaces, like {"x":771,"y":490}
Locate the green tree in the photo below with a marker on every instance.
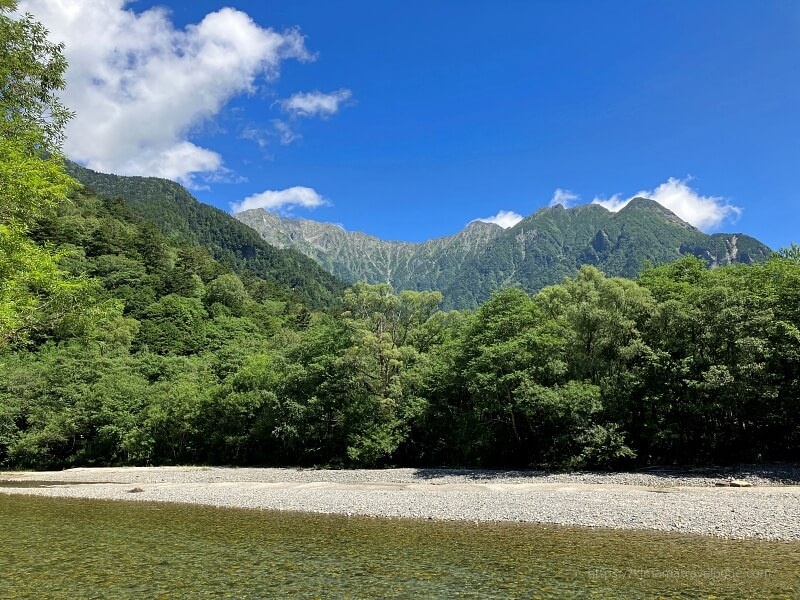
{"x":530,"y":372}
{"x":173,"y":325}
{"x":31,"y":74}
{"x":791,"y":252}
{"x":228,"y":291}
{"x":34,"y":292}
{"x":384,"y":329}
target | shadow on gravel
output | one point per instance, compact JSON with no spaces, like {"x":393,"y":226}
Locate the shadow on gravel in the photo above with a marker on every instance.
{"x":479,"y":474}
{"x":779,"y":474}
{"x":765,"y":474}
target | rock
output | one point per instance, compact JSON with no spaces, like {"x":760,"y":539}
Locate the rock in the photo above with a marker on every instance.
{"x":723,"y":484}
{"x":135,"y":490}
{"x":740,"y":483}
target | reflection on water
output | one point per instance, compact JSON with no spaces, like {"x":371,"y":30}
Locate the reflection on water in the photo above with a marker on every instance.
{"x":67,"y":548}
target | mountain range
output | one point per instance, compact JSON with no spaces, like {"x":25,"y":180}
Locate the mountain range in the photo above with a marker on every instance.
{"x":313,"y":260}
{"x":540,"y":250}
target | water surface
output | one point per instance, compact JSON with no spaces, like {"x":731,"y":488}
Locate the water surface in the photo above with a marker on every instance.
{"x":67,"y":548}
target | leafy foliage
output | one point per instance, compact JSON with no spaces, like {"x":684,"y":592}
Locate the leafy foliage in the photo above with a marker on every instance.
{"x":31,"y":74}
{"x":182,"y":218}
{"x":35,"y":294}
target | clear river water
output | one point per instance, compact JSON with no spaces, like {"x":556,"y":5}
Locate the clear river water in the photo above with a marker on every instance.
{"x":66,"y":548}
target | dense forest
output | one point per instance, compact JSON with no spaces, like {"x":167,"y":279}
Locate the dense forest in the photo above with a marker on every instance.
{"x":182,"y":218}
{"x":122,"y":343}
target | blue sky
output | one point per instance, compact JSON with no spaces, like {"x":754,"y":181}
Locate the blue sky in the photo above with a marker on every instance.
{"x":408,"y":119}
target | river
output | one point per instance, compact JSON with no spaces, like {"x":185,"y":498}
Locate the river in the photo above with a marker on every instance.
{"x":70,"y":548}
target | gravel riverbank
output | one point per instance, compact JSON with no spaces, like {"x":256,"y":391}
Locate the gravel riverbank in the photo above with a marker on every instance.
{"x":680,"y":501}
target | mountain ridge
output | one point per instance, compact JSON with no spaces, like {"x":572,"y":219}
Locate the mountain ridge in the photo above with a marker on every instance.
{"x":540,"y":250}
{"x":354,"y":255}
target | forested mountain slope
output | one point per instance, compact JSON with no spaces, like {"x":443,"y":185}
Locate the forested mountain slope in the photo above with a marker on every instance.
{"x":355,"y":256}
{"x":183,"y":218}
{"x":554,"y":242}
{"x":540,"y":250}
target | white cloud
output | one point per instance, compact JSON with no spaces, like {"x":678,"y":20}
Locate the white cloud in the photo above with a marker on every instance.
{"x":285,"y":133}
{"x":565,"y":198}
{"x":316,"y":104}
{"x":279,"y":130}
{"x":615,"y":203}
{"x":140,"y":86}
{"x":504,"y":218}
{"x":704,"y":212}
{"x":282,"y":200}
{"x":259,"y":136}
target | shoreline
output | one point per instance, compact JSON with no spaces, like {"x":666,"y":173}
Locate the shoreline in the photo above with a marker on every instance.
{"x":683,"y":502}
